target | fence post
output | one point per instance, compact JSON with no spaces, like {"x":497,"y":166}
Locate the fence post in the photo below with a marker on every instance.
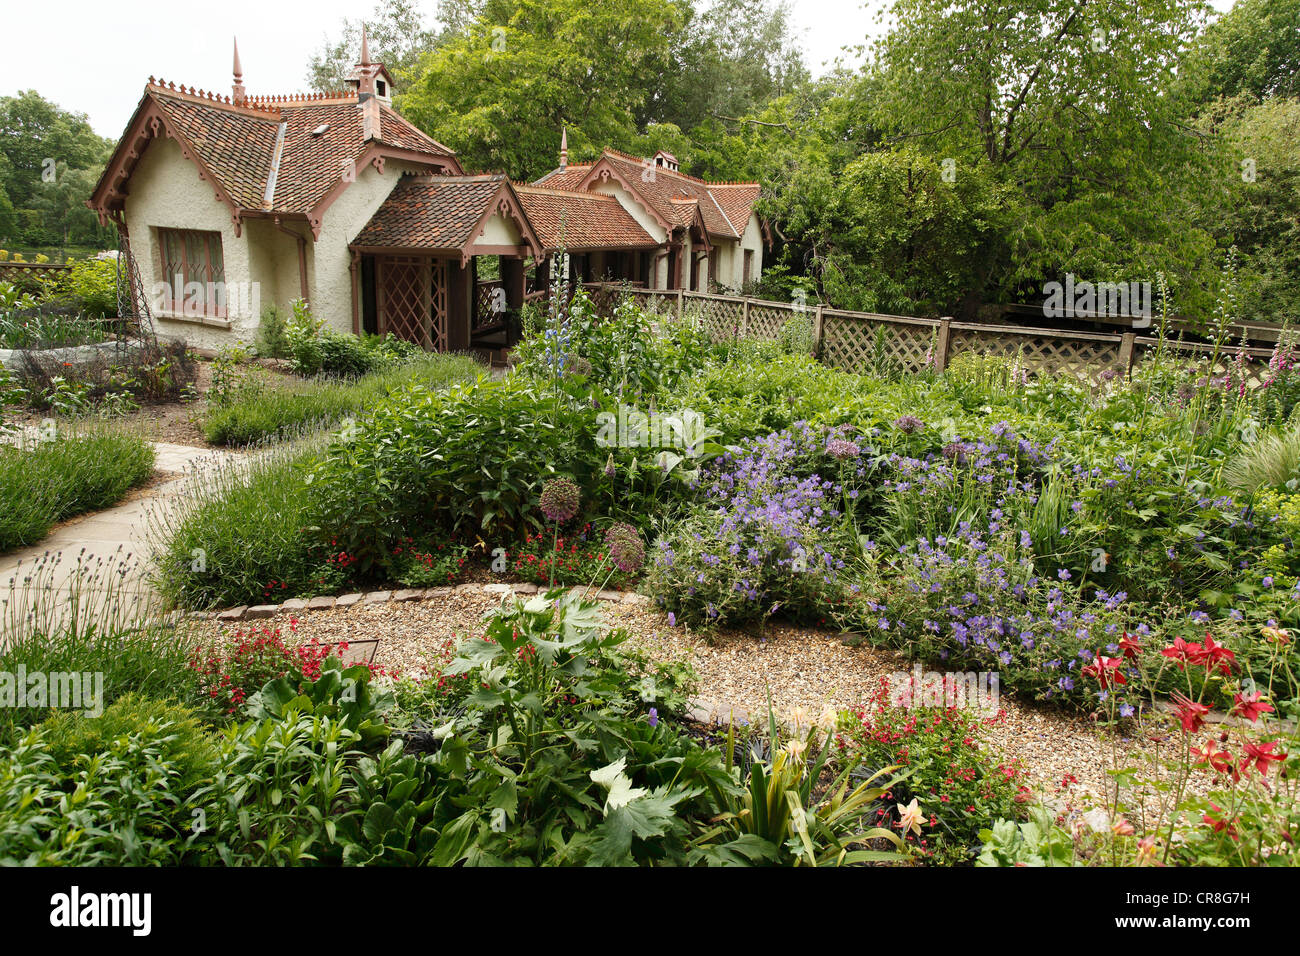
{"x":744,"y":320}
{"x":941,"y":343}
{"x":818,"y":332}
{"x":680,"y":295}
{"x":1127,"y":343}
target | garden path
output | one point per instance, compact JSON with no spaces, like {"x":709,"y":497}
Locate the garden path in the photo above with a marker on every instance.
{"x":80,"y":558}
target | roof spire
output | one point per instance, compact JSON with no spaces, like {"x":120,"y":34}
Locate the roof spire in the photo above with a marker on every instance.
{"x":564,"y":147}
{"x":365,"y":47}
{"x":237,"y":90}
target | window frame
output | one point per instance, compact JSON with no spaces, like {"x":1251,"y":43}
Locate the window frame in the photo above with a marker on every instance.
{"x":214,"y":305}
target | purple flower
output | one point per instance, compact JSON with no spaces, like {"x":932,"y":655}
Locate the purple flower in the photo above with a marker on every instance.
{"x":653,"y":718}
{"x":907,"y":424}
{"x":841,"y":449}
{"x":560,"y":499}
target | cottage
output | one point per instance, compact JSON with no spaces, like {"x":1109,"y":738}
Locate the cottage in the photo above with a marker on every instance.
{"x":232,"y":203}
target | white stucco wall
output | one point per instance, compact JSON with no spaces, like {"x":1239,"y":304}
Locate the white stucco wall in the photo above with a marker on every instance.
{"x":166,"y":192}
{"x":499,"y":230}
{"x":751,"y":240}
{"x":329,"y":259}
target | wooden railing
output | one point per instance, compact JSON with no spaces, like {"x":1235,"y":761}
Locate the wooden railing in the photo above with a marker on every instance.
{"x":28,"y":275}
{"x":863,"y":340}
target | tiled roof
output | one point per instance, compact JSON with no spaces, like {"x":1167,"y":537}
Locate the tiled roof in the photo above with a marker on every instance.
{"x":567,"y":178}
{"x":737,"y":201}
{"x":238,"y":146}
{"x":238,"y":143}
{"x":587,"y":220}
{"x":675,"y":195}
{"x":431,"y":212}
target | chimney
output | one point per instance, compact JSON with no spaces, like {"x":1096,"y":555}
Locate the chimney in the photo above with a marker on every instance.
{"x":564,"y":148}
{"x":237,"y":95}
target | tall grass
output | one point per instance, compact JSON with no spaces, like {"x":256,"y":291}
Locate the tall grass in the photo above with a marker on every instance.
{"x":240,"y":535}
{"x":262,"y":413}
{"x":81,"y":468}
{"x":89,"y":615}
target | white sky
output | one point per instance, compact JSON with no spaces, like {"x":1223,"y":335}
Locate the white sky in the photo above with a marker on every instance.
{"x":94,"y":57}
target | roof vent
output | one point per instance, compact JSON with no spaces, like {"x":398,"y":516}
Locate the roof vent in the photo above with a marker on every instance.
{"x":320,"y":130}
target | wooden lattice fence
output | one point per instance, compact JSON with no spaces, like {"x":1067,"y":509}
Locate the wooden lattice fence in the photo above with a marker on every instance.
{"x":860,"y":341}
{"x":29,"y":275}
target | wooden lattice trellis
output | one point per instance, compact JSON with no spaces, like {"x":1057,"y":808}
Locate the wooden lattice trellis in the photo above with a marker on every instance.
{"x":489,"y":303}
{"x":1084,"y":357}
{"x":1233,"y":361}
{"x":890,"y":343}
{"x":851,"y":343}
{"x":765,"y":321}
{"x":413,"y":299}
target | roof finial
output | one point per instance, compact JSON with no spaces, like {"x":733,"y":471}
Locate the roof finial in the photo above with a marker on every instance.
{"x":237,"y":90}
{"x":564,"y":147}
{"x":365,"y":47}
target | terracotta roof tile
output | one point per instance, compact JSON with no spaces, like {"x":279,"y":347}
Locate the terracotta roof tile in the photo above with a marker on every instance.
{"x":238,"y":144}
{"x":567,"y":178}
{"x":737,"y":201}
{"x":665,"y":189}
{"x":587,"y":220}
{"x":431,"y":212}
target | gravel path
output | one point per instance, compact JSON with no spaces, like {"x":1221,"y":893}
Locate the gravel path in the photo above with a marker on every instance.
{"x":802,"y":667}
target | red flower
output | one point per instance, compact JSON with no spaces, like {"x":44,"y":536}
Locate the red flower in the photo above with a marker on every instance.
{"x":1250,"y":706}
{"x":1260,"y":755}
{"x":1106,"y":670}
{"x":1129,"y":647}
{"x":1219,"y":824}
{"x":1190,"y":714}
{"x":1181,"y":652}
{"x":1216,"y":656}
{"x":1218,"y":760}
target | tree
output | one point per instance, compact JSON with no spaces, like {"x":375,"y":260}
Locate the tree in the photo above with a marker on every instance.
{"x":1070,"y":101}
{"x":49,"y":160}
{"x":1253,"y":49}
{"x":731,"y":58}
{"x":500,"y":92}
{"x":1254,"y":202}
{"x":398,"y":37}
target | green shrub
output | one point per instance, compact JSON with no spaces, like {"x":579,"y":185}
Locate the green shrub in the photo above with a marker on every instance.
{"x":241,"y":535}
{"x":958,"y":781}
{"x":255,"y":413}
{"x":43,"y":482}
{"x":90,"y":285}
{"x":272,"y":334}
{"x":119,"y":807}
{"x":468,"y":464}
{"x":73,"y":739}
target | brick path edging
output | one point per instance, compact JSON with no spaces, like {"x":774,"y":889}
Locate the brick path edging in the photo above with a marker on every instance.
{"x":246,"y":612}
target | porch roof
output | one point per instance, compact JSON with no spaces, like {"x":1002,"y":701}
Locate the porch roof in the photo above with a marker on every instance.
{"x":582,"y":221}
{"x":446,"y":214}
